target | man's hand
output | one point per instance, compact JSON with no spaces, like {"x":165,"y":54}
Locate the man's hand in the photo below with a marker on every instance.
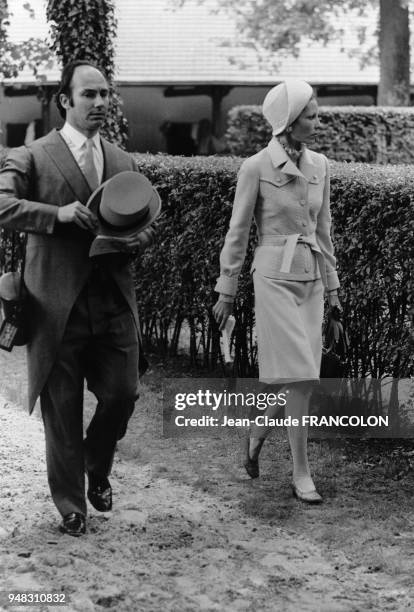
{"x":126,"y":244}
{"x":79,"y":214}
{"x":222,"y":311}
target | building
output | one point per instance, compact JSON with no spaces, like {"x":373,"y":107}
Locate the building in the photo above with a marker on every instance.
{"x":174,"y":68}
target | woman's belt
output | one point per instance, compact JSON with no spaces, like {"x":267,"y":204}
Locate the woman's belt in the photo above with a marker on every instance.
{"x":290,"y":241}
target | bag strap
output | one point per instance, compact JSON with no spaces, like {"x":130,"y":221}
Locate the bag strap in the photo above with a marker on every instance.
{"x":22,"y":268}
{"x":13,"y":252}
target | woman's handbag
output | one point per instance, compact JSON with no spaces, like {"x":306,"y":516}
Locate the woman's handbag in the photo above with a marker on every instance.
{"x":14,"y":309}
{"x":336,"y":346}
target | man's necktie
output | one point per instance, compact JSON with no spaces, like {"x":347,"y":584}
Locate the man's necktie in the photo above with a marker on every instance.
{"x":89,"y":168}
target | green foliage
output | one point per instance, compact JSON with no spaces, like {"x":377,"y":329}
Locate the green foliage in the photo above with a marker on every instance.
{"x":373,"y":216}
{"x":86,"y":29}
{"x":34,"y":53}
{"x":276,"y":29}
{"x":373,"y":222}
{"x":369,"y":134}
{"x":178,"y":272}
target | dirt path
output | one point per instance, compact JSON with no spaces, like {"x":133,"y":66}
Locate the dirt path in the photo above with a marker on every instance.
{"x":186,"y":534}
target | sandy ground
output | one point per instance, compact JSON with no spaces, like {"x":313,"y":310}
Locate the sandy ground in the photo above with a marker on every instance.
{"x":189,"y":532}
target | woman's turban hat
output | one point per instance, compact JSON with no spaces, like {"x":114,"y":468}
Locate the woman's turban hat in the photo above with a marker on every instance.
{"x":285,"y":102}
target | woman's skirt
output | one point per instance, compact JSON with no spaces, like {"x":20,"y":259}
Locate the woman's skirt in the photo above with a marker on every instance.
{"x":289,"y":317}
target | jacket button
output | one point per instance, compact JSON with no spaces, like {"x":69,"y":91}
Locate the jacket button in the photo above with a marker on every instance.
{"x":314,"y":177}
{"x":302,"y":202}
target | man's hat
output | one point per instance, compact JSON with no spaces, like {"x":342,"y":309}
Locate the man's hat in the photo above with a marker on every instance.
{"x":124,"y":205}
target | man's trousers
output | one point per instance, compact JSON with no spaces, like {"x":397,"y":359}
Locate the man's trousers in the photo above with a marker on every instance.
{"x":100,"y":344}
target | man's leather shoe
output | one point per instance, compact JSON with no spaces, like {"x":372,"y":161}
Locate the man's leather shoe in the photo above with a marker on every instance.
{"x":73,"y":524}
{"x":100,"y":493}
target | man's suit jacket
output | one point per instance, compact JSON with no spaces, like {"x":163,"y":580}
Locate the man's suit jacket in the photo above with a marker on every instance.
{"x":34,"y":181}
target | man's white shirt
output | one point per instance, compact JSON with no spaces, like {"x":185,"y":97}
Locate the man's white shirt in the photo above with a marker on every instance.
{"x":76,"y":142}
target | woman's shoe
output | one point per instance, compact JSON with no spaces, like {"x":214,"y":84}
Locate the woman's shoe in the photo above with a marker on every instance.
{"x":251,"y":464}
{"x":310,"y":497}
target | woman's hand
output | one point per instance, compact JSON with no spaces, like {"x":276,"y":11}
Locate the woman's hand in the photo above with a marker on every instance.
{"x":222,"y":311}
{"x":334,"y":301}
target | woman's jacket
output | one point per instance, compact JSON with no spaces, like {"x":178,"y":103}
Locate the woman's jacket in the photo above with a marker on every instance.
{"x":291,"y":209}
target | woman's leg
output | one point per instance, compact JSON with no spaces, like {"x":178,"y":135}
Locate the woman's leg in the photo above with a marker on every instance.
{"x":298,"y":406}
{"x":258,"y":433}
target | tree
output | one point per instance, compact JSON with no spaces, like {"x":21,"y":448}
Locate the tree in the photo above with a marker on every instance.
{"x":394,"y":52}
{"x":85,"y":29}
{"x":14,"y":57}
{"x":278,"y":27}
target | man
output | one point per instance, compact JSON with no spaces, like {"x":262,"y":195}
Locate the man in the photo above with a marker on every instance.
{"x":84,"y":322}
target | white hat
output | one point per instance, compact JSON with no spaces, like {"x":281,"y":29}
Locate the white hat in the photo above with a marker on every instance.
{"x":285,"y":102}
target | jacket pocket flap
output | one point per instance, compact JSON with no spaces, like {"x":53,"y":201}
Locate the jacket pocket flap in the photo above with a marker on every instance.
{"x":277,"y":180}
{"x":268,"y":260}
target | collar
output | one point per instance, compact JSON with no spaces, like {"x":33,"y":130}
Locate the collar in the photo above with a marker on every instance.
{"x":281,"y":160}
{"x":77,"y":138}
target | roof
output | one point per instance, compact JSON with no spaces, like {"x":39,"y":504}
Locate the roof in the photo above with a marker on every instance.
{"x":159,"y":45}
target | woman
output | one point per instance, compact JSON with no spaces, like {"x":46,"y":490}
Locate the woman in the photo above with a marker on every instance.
{"x":286,"y":187}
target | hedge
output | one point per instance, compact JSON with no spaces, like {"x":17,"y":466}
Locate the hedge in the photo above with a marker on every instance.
{"x":373,"y":217}
{"x":368,"y":134}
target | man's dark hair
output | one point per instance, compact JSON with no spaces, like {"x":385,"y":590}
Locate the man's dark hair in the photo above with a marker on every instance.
{"x":66,"y":80}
